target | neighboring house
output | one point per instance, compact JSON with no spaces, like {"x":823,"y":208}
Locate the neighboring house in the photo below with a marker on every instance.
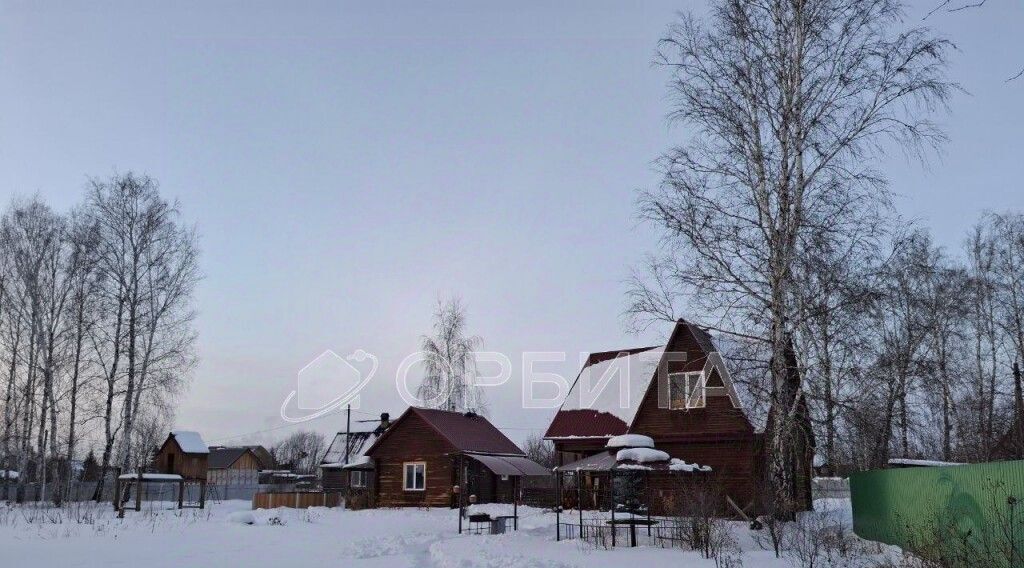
{"x":345,"y":464}
{"x":234,"y":466}
{"x":265,"y":457}
{"x":426,"y":453}
{"x":679,"y":394}
{"x":183,"y":453}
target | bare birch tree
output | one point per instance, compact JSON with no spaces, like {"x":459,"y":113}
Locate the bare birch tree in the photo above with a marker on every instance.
{"x":147,"y":265}
{"x":450,"y":359}
{"x":785,"y":102}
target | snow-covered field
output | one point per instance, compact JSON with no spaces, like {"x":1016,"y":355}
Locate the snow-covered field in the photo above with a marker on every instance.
{"x":228,"y":533}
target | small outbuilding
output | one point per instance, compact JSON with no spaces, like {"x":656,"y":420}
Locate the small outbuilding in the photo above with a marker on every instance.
{"x":234,"y":466}
{"x":428,"y":458}
{"x":345,"y":466}
{"x":183,"y":453}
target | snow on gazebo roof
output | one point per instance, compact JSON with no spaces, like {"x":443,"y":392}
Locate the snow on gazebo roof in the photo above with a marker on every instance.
{"x":630,"y":441}
{"x":632,"y":458}
{"x":641,"y":455}
{"x":151,"y":477}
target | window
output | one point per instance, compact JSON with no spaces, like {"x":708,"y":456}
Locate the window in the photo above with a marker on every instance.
{"x":686,"y":390}
{"x":415,"y":476}
{"x":357,"y":478}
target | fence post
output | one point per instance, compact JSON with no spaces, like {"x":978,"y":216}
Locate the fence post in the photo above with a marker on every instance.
{"x":611,"y":499}
{"x":138,"y":492}
{"x":558,"y":506}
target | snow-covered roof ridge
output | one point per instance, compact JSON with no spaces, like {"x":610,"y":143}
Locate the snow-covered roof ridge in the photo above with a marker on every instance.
{"x":630,"y":441}
{"x":190,"y":442}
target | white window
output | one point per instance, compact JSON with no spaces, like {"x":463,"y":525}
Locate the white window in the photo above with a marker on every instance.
{"x":357,"y":478}
{"x":687,"y":390}
{"x":415,"y":476}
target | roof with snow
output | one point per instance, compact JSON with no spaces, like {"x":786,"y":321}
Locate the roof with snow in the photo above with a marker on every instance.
{"x":632,"y":459}
{"x":357,"y":442}
{"x":606,"y":394}
{"x":630,"y":441}
{"x":604,"y":400}
{"x":190,"y":442}
{"x":641,"y":455}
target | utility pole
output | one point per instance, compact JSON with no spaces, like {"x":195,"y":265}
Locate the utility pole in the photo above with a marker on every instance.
{"x":348,"y":430}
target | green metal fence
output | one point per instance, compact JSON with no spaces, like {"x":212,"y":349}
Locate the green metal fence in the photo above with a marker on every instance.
{"x":954,"y":512}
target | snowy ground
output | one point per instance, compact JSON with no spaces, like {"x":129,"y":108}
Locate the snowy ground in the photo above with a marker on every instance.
{"x":159,"y":537}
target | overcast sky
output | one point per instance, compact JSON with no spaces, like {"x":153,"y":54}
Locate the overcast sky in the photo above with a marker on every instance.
{"x":346,"y":163}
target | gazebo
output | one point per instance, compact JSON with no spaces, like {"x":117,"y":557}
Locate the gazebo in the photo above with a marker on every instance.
{"x":631,"y":481}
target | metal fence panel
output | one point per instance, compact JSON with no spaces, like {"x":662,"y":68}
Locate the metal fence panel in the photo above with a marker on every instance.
{"x":904,"y":507}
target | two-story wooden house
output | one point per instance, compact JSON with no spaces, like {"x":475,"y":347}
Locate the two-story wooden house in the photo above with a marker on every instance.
{"x":679,"y":394}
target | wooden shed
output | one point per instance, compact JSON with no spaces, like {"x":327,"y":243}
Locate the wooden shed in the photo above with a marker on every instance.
{"x":238,"y":465}
{"x":183,"y":453}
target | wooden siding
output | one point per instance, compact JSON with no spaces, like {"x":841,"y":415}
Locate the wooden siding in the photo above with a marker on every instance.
{"x":337,"y":479}
{"x":247,"y":461}
{"x":170,"y":459}
{"x":570,"y":450}
{"x":732,"y":464}
{"x":295,"y":500}
{"x":245,"y":471}
{"x":413,"y":440}
{"x":718,"y":435}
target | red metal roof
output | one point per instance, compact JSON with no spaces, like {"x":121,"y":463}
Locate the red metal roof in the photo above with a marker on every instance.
{"x":595,"y":424}
{"x":467,"y":432}
{"x":585,"y":424}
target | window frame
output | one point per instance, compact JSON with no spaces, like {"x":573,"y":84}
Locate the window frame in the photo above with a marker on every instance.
{"x":360,"y":475}
{"x":688,"y":390}
{"x":406,"y":478}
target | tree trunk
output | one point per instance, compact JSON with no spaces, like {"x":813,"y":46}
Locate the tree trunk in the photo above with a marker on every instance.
{"x":73,"y":410}
{"x":108,"y":415}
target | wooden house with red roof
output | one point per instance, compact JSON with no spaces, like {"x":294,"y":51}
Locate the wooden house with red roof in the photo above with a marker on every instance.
{"x":425,"y":454}
{"x":679,"y":394}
